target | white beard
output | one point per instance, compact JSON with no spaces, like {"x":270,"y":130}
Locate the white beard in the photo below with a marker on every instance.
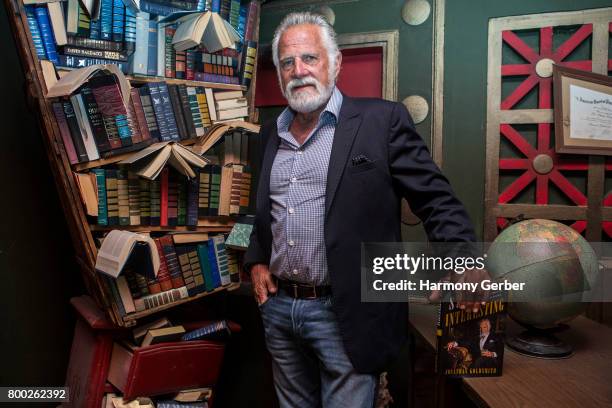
{"x":305,"y":101}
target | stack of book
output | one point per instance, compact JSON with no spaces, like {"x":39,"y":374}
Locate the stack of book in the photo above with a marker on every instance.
{"x":185,"y":270}
{"x":231,"y":105}
{"x":75,"y":34}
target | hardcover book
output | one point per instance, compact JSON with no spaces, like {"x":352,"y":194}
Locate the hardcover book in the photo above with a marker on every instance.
{"x":472,"y":344}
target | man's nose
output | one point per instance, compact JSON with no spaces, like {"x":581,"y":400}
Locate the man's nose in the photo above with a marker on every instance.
{"x":300,"y":70}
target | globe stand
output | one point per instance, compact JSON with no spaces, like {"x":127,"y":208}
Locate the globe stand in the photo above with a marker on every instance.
{"x":540,"y":343}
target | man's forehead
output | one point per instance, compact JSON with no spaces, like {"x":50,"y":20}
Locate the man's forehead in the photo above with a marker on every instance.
{"x":306,"y":35}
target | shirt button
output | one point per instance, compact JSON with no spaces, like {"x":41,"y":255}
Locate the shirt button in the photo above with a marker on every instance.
{"x":299,"y":152}
{"x":295,"y":271}
{"x":293,"y":179}
{"x":291,"y":243}
{"x":291,"y":210}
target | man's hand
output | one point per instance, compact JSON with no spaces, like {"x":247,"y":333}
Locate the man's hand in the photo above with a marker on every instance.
{"x":486,"y":353}
{"x":466,"y":299}
{"x":263,"y":283}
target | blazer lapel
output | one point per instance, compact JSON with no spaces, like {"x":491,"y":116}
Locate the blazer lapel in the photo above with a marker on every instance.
{"x":263,"y":195}
{"x":346,"y":129}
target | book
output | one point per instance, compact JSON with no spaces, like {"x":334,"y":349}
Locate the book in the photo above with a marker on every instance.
{"x":134,"y":198}
{"x":106,"y":20}
{"x":130,"y":30}
{"x":218,"y":243}
{"x":100,"y":134}
{"x":190,"y":269}
{"x":170,"y":54}
{"x":194,"y":106}
{"x":56,"y":17}
{"x":218,"y":330}
{"x":247,"y":70}
{"x":46,"y":32}
{"x":155,"y":195}
{"x":240,"y":235}
{"x":147,"y":107}
{"x":172,"y":262}
{"x":193,"y":193}
{"x":207,"y":28}
{"x":35,"y":32}
{"x":163,"y":335}
{"x":75,"y":131}
{"x":193,"y":395}
{"x":236,"y":113}
{"x":73,"y":80}
{"x":177,"y":108}
{"x":141,"y":114}
{"x":163,"y":278}
{"x":203,"y":106}
{"x":118,"y":20}
{"x":86,"y":183}
{"x":471,"y":344}
{"x":118,"y":246}
{"x":144,"y":194}
{"x":152,"y":159}
{"x":101,"y":191}
{"x":71,"y":61}
{"x":189,"y":237}
{"x":58,"y":111}
{"x":231,"y":103}
{"x":213,"y":267}
{"x":185,"y":104}
{"x":163,"y":193}
{"x":123,"y":197}
{"x":218,"y":130}
{"x":160,"y":298}
{"x":210,"y":102}
{"x":139,"y":332}
{"x":85,"y":130}
{"x":152,"y":47}
{"x":112,"y":198}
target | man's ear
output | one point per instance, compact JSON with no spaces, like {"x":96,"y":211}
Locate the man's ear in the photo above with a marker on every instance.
{"x":338,"y":63}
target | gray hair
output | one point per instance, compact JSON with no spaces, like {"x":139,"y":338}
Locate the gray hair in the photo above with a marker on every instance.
{"x":328,"y":35}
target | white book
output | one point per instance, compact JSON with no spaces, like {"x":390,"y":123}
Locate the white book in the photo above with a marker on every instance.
{"x":210,"y":101}
{"x":86,"y":133}
{"x":161,"y":50}
{"x":56,"y":16}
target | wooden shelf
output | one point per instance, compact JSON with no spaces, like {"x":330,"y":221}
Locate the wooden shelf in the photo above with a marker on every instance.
{"x":116,"y":159}
{"x":132,"y":317}
{"x":205,"y":224}
{"x":141,"y":79}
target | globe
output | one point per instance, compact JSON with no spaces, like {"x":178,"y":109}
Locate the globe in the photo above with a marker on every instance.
{"x":557,"y":266}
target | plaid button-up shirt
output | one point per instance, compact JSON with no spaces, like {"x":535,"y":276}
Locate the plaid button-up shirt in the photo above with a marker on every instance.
{"x":297,"y":196}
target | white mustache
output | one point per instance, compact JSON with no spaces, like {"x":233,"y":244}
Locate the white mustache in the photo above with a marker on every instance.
{"x":294,"y":83}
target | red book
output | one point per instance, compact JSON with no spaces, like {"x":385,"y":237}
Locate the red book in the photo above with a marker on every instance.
{"x":58,"y":110}
{"x":164,"y":197}
{"x":133,"y":121}
{"x":140,"y":115}
{"x":163,"y":276}
{"x":252,"y":12}
{"x":172,"y":262}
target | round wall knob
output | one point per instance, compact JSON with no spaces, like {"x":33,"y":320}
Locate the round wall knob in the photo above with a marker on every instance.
{"x":415,"y":12}
{"x":417,"y":107}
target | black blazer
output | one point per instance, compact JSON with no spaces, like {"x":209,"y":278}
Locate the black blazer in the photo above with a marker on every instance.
{"x":363,"y":205}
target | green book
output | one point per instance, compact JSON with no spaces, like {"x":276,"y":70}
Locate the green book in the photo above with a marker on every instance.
{"x":112,"y":199}
{"x":215,"y":189}
{"x":182,"y":202}
{"x":144,"y":193}
{"x":205,"y":266}
{"x":240,"y":236}
{"x":134,"y":197}
{"x":155,"y":202}
{"x":101,"y":187}
{"x":123,"y":197}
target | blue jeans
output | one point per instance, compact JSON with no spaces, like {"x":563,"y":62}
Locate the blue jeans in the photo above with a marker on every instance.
{"x":310,"y":366}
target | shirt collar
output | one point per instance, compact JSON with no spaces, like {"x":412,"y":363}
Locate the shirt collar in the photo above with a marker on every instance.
{"x":332,"y":107}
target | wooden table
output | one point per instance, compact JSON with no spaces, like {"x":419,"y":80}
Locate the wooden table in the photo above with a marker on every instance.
{"x":583,"y":380}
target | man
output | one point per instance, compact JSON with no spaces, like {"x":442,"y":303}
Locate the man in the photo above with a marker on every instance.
{"x":333,"y":171}
{"x":484,"y":349}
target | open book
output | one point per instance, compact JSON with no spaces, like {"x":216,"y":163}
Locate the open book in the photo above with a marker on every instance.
{"x":120,"y":246}
{"x":207,"y":28}
{"x":216,"y":132}
{"x":73,"y":80}
{"x":179,"y":157}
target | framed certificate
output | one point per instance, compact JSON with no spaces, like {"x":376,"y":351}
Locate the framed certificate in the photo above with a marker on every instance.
{"x":583,"y":112}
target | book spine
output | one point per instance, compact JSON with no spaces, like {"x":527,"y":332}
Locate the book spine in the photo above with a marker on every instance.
{"x":58,"y":111}
{"x":152,"y":48}
{"x":234,"y":13}
{"x":139,"y":58}
{"x":245,"y":190}
{"x":215,"y":190}
{"x":72,"y":17}
{"x":172,"y":199}
{"x":172,"y":261}
{"x":177,"y":108}
{"x":221,"y":257}
{"x":215,"y":6}
{"x":83,"y":24}
{"x":205,"y":265}
{"x":118,"y":20}
{"x":168,"y":113}
{"x":101,"y":189}
{"x":169,"y":56}
{"x":133,"y":123}
{"x":130,"y":30}
{"x":149,"y":112}
{"x":205,"y":331}
{"x":156,"y":8}
{"x":83,"y":121}
{"x":214,"y":267}
{"x":216,"y":78}
{"x":35,"y":32}
{"x":189,"y":64}
{"x":95,"y":29}
{"x":158,"y":108}
{"x":70,"y":61}
{"x":194,"y":107}
{"x":110,"y":104}
{"x":182,"y":202}
{"x":155,"y":195}
{"x":95,"y":43}
{"x":94,"y":53}
{"x":96,"y":120}
{"x":106,"y":19}
{"x":232,"y":264}
{"x":134,"y":198}
{"x":123,"y":197}
{"x":179,"y":64}
{"x":163,"y":193}
{"x":112,"y":286}
{"x":193,"y":191}
{"x":182,"y":254}
{"x":112,"y":197}
{"x":204,"y":192}
{"x":75,"y":132}
{"x":252,"y":13}
{"x":247,"y":70}
{"x":186,"y":109}
{"x":204,"y":111}
{"x":161,"y":50}
{"x":46,"y":33}
{"x":161,"y":298}
{"x":144,"y":193}
{"x":163,"y":276}
{"x":242,"y":18}
{"x":140,"y":114}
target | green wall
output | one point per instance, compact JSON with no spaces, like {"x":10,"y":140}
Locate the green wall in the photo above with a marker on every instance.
{"x":465,"y":75}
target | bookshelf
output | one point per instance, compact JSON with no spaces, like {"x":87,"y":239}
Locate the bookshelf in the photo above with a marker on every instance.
{"x":83,"y":232}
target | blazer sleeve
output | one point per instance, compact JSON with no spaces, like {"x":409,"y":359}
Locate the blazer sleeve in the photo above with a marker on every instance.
{"x":420,"y":181}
